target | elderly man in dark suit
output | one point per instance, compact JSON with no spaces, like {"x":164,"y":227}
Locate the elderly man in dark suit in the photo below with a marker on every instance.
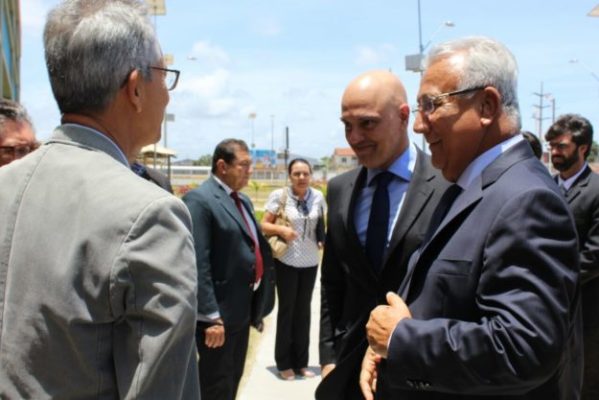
{"x":570,"y":139}
{"x":234,"y":261}
{"x":490,"y":307}
{"x":370,"y":237}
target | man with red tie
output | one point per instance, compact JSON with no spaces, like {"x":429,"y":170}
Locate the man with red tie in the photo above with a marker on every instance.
{"x":234,"y":262}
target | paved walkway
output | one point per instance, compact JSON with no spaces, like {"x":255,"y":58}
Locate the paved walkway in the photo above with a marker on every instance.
{"x":261,"y":382}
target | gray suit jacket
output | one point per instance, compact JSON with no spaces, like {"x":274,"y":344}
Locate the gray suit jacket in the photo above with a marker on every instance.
{"x":225,"y":258}
{"x":350,"y":288}
{"x":494,"y":295}
{"x":97,"y":278}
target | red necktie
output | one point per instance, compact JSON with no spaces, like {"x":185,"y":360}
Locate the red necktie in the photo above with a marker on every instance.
{"x":259,"y":262}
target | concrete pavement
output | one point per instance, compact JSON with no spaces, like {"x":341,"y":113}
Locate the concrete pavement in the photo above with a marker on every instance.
{"x":260,"y":380}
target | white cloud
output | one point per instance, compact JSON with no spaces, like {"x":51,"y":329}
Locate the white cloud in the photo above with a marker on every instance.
{"x":209,"y":54}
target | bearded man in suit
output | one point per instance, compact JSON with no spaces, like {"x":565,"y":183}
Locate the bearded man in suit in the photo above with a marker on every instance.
{"x":378,"y":214}
{"x":570,"y":140}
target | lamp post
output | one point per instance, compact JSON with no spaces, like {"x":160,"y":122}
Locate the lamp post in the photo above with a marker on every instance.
{"x":414,"y":61}
{"x":252,"y":117}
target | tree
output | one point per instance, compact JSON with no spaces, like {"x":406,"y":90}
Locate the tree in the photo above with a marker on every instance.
{"x":205,"y":160}
{"x":256,"y":186}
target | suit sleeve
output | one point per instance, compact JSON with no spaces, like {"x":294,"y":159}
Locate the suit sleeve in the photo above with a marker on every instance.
{"x":153,"y":299}
{"x":525,"y":303}
{"x":332,"y":295}
{"x":201,"y":218}
{"x":589,"y":246}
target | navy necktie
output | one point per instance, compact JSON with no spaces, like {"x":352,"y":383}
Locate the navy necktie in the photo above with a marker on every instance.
{"x":442,"y":209}
{"x":378,"y":222}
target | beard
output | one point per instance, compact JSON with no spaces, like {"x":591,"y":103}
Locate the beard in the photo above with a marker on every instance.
{"x":564,"y":163}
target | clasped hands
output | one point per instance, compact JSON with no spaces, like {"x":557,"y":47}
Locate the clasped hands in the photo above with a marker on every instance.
{"x":380,"y":326}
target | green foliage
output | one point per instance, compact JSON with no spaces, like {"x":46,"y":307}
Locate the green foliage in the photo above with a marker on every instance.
{"x":205,"y":160}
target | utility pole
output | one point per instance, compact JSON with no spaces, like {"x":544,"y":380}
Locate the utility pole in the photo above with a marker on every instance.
{"x":286,"y":148}
{"x":539,"y":115}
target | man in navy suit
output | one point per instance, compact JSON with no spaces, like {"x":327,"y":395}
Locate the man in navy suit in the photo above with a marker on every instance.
{"x":234,"y":262}
{"x":490,"y":307}
{"x":375,"y":113}
{"x":570,"y":139}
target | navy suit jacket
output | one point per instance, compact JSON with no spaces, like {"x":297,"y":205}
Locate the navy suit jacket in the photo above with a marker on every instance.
{"x":494,"y":295}
{"x":225,"y":258}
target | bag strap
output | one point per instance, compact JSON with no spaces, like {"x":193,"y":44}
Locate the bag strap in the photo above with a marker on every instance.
{"x":282,"y":202}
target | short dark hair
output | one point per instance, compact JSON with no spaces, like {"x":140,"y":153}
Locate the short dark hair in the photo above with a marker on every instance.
{"x":534,"y":142}
{"x":12,"y":111}
{"x":298,"y":160}
{"x":225,"y":151}
{"x":576,"y":125}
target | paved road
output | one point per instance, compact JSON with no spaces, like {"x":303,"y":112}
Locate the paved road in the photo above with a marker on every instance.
{"x":261,"y":381}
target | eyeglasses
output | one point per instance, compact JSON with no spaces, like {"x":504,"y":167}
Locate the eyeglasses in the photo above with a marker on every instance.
{"x":171,"y":77}
{"x":429,"y":104}
{"x":16,"y":152}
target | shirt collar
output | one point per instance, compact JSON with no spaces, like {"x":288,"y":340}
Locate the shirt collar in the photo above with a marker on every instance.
{"x":402,"y":167}
{"x":223,"y":185}
{"x":476,"y":167}
{"x":567,"y":184}
{"x":106,"y":138}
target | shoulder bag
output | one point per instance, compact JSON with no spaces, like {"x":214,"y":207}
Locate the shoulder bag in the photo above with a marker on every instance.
{"x":276,"y":242}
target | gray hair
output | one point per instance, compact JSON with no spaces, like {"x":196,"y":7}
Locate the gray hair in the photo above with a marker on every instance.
{"x":92,"y":45}
{"x":486,"y":63}
{"x":13,"y":111}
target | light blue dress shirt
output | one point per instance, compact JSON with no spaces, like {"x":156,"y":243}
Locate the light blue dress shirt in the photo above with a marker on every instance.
{"x":402,"y":169}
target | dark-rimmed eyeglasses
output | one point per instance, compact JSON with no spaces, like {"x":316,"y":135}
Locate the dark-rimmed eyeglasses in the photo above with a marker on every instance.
{"x":429,"y":104}
{"x":16,"y":152}
{"x":171,"y":77}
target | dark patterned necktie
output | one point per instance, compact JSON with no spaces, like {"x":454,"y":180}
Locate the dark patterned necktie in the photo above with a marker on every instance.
{"x":378,"y":221}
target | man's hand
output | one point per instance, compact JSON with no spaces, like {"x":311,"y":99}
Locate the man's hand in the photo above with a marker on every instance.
{"x":326,"y":369}
{"x":382,"y":322}
{"x":368,"y":373}
{"x":215,"y":334}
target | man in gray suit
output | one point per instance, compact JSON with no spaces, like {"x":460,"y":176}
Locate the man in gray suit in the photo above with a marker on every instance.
{"x":98,"y":281}
{"x":234,"y":262}
{"x":570,"y":139}
{"x":355,"y":273}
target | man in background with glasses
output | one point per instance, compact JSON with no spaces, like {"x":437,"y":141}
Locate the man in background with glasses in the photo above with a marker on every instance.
{"x":97,"y":266}
{"x":17,"y":138}
{"x":490,"y":307}
{"x":570,"y":139}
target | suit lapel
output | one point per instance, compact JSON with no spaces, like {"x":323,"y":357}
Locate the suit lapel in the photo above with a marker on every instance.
{"x":227,"y":203}
{"x":579,"y":185}
{"x":415,"y":200}
{"x":469,"y":198}
{"x":348,"y":207}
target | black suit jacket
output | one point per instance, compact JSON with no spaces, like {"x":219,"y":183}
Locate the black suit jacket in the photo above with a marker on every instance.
{"x":494,"y":295}
{"x":158,"y":178}
{"x":350,"y":287}
{"x":583,"y":199}
{"x":225,"y":258}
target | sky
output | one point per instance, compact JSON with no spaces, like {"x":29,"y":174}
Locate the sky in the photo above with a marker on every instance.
{"x":288,"y":62}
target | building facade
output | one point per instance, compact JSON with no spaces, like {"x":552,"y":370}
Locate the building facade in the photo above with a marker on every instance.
{"x":10,"y":49}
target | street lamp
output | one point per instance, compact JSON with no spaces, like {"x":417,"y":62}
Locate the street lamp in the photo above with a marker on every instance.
{"x":252,"y":117}
{"x":414,"y":61}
